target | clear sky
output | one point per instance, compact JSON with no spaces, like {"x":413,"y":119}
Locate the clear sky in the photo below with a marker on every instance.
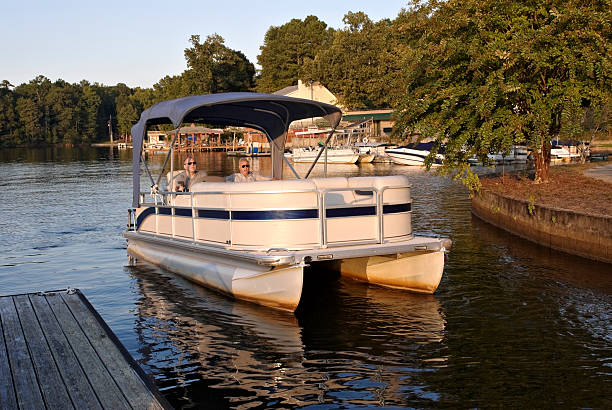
{"x":138,"y":42}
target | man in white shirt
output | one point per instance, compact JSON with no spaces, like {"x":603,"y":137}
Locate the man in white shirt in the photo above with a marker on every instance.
{"x":245,"y":174}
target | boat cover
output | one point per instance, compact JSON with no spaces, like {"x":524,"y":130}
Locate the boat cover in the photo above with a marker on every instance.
{"x":268,"y":113}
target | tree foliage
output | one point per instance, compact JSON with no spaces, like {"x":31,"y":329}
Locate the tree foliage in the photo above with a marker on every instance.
{"x":285,"y":50}
{"x":357,"y":63}
{"x":485,"y":75}
{"x":215,"y":68}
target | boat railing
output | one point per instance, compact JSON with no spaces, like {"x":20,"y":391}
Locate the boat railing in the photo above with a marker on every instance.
{"x":167,"y":199}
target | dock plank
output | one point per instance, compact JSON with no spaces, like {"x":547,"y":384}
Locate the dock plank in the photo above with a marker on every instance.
{"x":79,"y":389}
{"x":49,"y":378}
{"x":7,"y":392}
{"x":27,"y":392}
{"x":130,"y":383}
{"x":56,"y":352}
{"x":100,"y":379}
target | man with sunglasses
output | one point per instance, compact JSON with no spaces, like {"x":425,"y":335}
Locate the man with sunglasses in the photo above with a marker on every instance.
{"x":191,"y":176}
{"x":245,"y":174}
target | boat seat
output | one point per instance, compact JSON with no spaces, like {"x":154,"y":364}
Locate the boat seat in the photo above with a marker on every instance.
{"x":379,"y":181}
{"x":335,"y":182}
{"x":212,"y":178}
{"x":283,"y":194}
{"x":175,"y":174}
{"x":272,"y":185}
{"x":335,"y":198}
{"x":399,"y":195}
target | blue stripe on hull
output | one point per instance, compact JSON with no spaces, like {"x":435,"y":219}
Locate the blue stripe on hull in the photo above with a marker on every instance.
{"x":213,"y":214}
{"x":273,"y":214}
{"x":355,"y":211}
{"x":281,"y":214}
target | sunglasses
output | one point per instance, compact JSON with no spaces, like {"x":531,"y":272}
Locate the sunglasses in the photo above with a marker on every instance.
{"x":191,"y":163}
{"x":244,"y":166}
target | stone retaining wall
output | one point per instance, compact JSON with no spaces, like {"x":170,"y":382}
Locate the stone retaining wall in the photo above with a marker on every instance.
{"x":576,"y":233}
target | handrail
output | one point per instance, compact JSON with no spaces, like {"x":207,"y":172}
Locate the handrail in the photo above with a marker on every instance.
{"x":161,"y":199}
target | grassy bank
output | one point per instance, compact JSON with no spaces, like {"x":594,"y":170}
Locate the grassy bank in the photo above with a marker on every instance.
{"x":567,"y":189}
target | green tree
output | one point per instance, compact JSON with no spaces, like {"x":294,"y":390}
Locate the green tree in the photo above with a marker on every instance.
{"x":63,"y":101}
{"x":215,"y":68}
{"x":33,"y":111}
{"x":30,"y":117}
{"x":285,"y":50}
{"x":127,"y":112}
{"x":171,"y":87}
{"x":90,"y":108}
{"x":490,"y":74}
{"x":8,"y":116}
{"x":357,"y":63}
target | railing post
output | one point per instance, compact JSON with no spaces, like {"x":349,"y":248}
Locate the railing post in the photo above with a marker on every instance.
{"x":130,"y":220}
{"x":193,"y":216}
{"x":380,"y":214}
{"x":229,"y":210}
{"x":324,"y":215}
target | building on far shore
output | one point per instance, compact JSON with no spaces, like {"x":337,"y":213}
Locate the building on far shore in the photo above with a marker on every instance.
{"x":309,"y":91}
{"x":374,"y":124}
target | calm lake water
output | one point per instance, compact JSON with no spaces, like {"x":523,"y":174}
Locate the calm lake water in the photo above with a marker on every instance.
{"x":512,"y":324}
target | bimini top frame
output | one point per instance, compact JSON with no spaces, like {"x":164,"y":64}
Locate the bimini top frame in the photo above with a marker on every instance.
{"x":268,"y":113}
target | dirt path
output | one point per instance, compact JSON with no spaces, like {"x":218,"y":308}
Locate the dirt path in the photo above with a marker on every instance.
{"x":603,"y":172}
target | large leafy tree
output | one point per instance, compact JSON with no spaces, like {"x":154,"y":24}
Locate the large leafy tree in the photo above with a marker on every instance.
{"x":127,"y":109}
{"x":8,"y":116}
{"x":33,"y":111}
{"x":285,"y":50}
{"x":90,"y":105}
{"x":487,"y":74}
{"x":357,"y":63}
{"x":215,"y":68}
{"x":64,"y":112}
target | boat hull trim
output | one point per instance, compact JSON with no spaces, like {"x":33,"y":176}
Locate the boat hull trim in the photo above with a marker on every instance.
{"x":274,"y":278}
{"x":254,"y":279}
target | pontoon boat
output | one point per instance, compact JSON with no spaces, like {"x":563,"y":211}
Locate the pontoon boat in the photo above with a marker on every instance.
{"x":252,"y":240}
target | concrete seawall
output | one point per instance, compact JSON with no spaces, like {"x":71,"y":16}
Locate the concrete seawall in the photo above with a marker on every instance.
{"x":579,"y":234}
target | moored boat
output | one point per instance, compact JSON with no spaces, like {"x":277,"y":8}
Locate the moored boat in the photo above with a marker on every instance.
{"x":252,"y":240}
{"x":334,"y":155}
{"x":413,"y":154}
{"x":516,"y":155}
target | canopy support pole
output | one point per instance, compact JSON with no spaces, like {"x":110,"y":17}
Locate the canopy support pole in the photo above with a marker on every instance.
{"x":161,"y":174}
{"x":324,"y":147}
{"x":153,"y":185}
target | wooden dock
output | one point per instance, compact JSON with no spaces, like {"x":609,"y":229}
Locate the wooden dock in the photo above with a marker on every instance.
{"x":56,"y":352}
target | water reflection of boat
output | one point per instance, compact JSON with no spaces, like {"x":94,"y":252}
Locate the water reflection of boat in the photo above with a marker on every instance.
{"x":168,"y":297}
{"x":346,"y":304}
{"x":420,"y":316}
{"x":198,"y":343}
{"x":195,"y":338}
